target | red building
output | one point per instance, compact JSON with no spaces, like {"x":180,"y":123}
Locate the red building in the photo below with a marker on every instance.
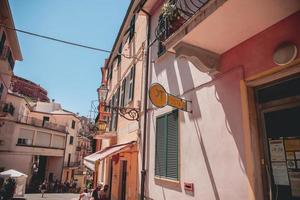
{"x":29,"y":89}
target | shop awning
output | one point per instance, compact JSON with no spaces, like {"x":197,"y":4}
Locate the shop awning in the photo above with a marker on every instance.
{"x":89,"y":161}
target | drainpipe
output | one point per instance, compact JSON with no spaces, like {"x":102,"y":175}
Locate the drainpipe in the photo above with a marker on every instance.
{"x":143,"y":171}
{"x":63,"y":164}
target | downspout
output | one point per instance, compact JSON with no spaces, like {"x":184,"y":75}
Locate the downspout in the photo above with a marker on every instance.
{"x":63,"y":164}
{"x":143,"y":171}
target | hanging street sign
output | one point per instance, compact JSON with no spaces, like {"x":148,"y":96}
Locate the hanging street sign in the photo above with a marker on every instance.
{"x":158,"y":95}
{"x":177,"y":102}
{"x":160,"y":98}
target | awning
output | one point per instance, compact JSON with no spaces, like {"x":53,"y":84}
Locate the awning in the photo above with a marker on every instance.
{"x":89,"y":161}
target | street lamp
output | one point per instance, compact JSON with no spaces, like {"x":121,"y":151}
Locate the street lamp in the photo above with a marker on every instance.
{"x":102,"y":93}
{"x":131,"y":114}
{"x":102,"y":126}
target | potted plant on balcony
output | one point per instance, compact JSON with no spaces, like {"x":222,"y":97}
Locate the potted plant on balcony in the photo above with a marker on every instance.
{"x":171,"y":15}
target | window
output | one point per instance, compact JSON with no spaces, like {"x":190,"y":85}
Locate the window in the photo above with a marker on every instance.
{"x":114,"y":114}
{"x":71,"y":140}
{"x":119,"y":54}
{"x":73,"y":124}
{"x":162,"y":26}
{"x":1,"y":89}
{"x":24,"y":141}
{"x":45,"y":120}
{"x":166,"y":147}
{"x":122,"y":93}
{"x":131,"y":83}
{"x":11,"y":60}
{"x":132,"y":28}
{"x":3,"y":38}
{"x":69,"y":160}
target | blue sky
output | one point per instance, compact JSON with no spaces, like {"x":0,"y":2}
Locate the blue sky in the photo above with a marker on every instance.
{"x":70,"y":74}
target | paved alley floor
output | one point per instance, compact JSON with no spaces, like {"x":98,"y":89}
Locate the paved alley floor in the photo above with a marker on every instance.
{"x":52,"y":196}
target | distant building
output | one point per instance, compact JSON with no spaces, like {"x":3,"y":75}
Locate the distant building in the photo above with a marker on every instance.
{"x":41,"y":140}
{"x":29,"y":89}
{"x":9,"y":52}
{"x":32,"y":142}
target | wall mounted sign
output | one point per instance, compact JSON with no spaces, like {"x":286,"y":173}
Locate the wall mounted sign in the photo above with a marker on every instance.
{"x":158,"y":95}
{"x":177,"y":102}
{"x":160,"y":98}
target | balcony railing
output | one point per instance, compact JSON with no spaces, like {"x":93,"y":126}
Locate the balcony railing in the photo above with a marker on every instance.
{"x":72,"y":164}
{"x":174,"y":14}
{"x":40,"y":123}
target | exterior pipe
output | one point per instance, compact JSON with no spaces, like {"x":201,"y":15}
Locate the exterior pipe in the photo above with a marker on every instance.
{"x":143,"y":171}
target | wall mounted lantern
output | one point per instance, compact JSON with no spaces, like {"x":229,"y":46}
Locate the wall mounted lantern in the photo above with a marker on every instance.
{"x":131,"y":114}
{"x":102,"y":125}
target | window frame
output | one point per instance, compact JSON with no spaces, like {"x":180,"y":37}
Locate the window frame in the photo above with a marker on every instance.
{"x":164,"y":175}
{"x":119,"y":56}
{"x":73,"y":124}
{"x":1,"y":89}
{"x":71,"y":140}
{"x":11,"y":60}
{"x":2,"y":42}
{"x":131,"y":84}
{"x":131,"y":28}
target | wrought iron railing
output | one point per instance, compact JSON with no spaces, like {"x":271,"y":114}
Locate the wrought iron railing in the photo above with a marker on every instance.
{"x":72,"y":164}
{"x":174,"y":14}
{"x":40,"y":123}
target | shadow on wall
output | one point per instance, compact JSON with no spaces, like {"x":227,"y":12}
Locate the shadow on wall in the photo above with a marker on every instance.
{"x":227,"y":93}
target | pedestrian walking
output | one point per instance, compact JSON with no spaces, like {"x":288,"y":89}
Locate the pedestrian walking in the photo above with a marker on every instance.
{"x":96,"y":193}
{"x":104,"y":193}
{"x":85,"y":195}
{"x":43,"y":188}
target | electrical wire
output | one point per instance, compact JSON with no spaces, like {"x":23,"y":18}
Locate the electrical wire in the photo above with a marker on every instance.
{"x":55,"y":39}
{"x":66,"y":42}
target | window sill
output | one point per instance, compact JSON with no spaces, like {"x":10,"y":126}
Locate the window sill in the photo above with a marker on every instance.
{"x":175,"y":184}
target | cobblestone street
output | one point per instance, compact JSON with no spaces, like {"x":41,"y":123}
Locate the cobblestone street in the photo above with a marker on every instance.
{"x":52,"y":196}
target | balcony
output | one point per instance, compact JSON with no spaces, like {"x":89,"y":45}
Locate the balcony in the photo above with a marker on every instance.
{"x":40,"y":123}
{"x":72,"y":164}
{"x":174,"y":14}
{"x":205,"y":29}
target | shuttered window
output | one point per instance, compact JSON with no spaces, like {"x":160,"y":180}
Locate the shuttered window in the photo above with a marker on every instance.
{"x":122,"y":93}
{"x":128,"y":83}
{"x":166,"y":149}
{"x":120,"y":54}
{"x":3,"y":38}
{"x":114,"y":113}
{"x":132,"y":28}
{"x":131,"y":84}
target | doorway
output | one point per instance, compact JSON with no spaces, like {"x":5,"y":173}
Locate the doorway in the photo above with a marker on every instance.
{"x":123,"y":173}
{"x":110,"y":177}
{"x":278,"y":108}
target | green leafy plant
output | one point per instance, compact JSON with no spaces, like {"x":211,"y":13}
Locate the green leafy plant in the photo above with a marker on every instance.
{"x":169,"y":11}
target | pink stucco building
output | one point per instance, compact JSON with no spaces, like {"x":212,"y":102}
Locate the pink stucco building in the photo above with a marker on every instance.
{"x":238,"y":64}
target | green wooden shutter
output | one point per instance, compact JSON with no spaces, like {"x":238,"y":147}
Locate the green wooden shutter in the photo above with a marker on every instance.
{"x":160,"y":144}
{"x":3,"y":38}
{"x":116,"y":104}
{"x":132,"y":28}
{"x":120,"y":54}
{"x":172,"y":145}
{"x":132,"y":79}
